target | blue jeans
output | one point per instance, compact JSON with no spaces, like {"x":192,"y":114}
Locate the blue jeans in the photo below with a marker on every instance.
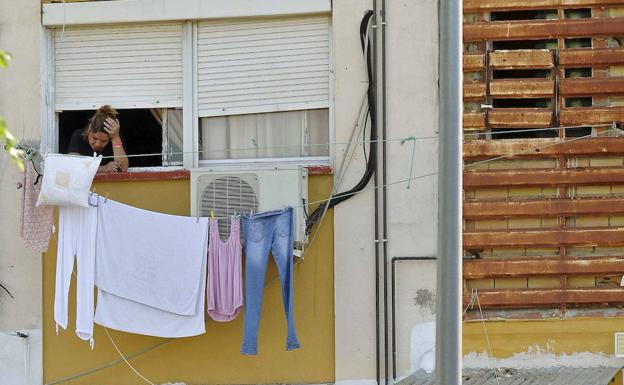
{"x":264,"y":232}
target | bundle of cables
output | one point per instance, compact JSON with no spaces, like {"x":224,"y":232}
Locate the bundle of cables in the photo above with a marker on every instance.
{"x":372,"y":159}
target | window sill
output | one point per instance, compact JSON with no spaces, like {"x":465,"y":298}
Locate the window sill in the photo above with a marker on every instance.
{"x":178,"y":173}
{"x":143,"y":174}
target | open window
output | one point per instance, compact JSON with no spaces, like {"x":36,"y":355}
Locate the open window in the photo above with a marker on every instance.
{"x":254,"y":89}
{"x":137,"y":69}
{"x":144,"y":131}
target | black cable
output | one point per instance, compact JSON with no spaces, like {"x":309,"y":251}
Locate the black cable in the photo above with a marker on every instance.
{"x":372,"y":160}
{"x":364,"y":138}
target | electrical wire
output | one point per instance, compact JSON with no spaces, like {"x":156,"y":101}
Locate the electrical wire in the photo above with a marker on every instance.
{"x":538,"y":129}
{"x":365,"y":25}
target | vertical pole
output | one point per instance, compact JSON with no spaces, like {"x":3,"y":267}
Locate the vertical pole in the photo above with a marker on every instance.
{"x":449,"y":269}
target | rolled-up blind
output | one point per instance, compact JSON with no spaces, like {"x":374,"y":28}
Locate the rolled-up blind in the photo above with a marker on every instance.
{"x":255,"y":66}
{"x":126,"y":66}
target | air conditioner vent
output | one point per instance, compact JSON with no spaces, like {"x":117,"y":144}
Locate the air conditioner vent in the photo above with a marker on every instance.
{"x":619,"y":344}
{"x":226,"y":195}
{"x":229,"y":189}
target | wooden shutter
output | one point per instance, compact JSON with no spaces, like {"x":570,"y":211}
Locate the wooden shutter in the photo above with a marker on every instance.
{"x":255,"y":66}
{"x":137,"y":66}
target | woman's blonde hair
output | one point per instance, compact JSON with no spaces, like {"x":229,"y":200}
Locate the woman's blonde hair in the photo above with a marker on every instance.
{"x":96,"y":122}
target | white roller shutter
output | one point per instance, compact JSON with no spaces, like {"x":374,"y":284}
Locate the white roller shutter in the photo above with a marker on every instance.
{"x":137,"y":66}
{"x":255,"y":66}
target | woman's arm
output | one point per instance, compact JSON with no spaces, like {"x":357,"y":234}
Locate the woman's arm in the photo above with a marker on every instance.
{"x":112,"y":128}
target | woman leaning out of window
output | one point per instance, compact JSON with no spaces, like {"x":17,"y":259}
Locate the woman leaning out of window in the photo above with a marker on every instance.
{"x":102,"y":136}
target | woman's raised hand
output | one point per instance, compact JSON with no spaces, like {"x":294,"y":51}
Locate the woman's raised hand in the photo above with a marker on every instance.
{"x":112,"y":127}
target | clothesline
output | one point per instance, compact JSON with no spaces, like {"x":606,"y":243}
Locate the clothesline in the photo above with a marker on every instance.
{"x":271,"y":147}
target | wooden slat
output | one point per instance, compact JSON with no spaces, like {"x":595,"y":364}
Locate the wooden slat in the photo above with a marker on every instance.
{"x":543,"y":208}
{"x":511,"y":5}
{"x":473,"y":61}
{"x":591,"y":86}
{"x":515,"y":267}
{"x":525,"y":178}
{"x":522,"y":88}
{"x":520,"y":117}
{"x":588,"y":57}
{"x":522,"y":59}
{"x":543,"y":29}
{"x":591,"y":115}
{"x":544,"y":238}
{"x":474,"y":91}
{"x":522,"y":148}
{"x":546,"y":297}
{"x":474,"y":120}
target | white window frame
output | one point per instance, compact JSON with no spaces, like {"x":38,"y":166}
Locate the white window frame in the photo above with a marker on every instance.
{"x":55,"y":15}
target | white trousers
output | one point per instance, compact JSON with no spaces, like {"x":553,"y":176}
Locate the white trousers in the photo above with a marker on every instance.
{"x":76,"y":237}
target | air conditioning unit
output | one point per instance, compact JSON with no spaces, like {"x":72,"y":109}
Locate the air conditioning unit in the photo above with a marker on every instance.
{"x":619,"y":344}
{"x":227,"y":190}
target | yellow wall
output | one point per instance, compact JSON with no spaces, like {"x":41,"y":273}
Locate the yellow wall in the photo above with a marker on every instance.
{"x":557,"y":336}
{"x":212,"y":357}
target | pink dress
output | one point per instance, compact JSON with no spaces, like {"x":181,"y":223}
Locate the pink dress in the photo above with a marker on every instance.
{"x":225,"y":283}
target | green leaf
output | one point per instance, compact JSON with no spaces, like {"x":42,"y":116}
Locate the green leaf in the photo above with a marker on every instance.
{"x":5,"y":58}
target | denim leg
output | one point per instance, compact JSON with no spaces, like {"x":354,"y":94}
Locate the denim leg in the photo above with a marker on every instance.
{"x":257,"y":255}
{"x":282,"y":250}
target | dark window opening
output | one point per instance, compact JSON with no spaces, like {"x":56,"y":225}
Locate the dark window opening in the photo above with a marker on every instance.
{"x":524,"y":15}
{"x":585,"y":72}
{"x":580,"y":13}
{"x":578,"y":102}
{"x":140,"y":130}
{"x":521,"y":74}
{"x":521,"y":103}
{"x":579,"y":42}
{"x":525,"y":44}
{"x":514,"y":133}
{"x":575,"y":132}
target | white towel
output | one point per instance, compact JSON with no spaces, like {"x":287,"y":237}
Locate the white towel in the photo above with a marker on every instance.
{"x":150,"y":271}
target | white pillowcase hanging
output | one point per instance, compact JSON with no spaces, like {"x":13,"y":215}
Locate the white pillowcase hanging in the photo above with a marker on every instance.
{"x":67,"y":180}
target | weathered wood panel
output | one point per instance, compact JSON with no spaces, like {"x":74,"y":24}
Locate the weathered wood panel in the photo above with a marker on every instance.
{"x":591,"y":86}
{"x":546,"y":297}
{"x":522,"y":59}
{"x":474,"y":91}
{"x":479,"y":149}
{"x":473,"y":61}
{"x":522,"y":88}
{"x":584,"y":57}
{"x":510,"y":5}
{"x":543,"y":29}
{"x":577,"y":177}
{"x":543,"y":208}
{"x":515,"y":267}
{"x":544,"y":238}
{"x":474,"y":120}
{"x":591,"y":115}
{"x":520,"y":117}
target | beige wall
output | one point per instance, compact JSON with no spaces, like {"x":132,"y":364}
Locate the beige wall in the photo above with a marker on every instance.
{"x":20,"y":269}
{"x":412,"y":50}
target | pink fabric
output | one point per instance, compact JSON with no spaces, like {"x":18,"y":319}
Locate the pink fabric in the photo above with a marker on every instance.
{"x":225,"y":283}
{"x":36,"y":223}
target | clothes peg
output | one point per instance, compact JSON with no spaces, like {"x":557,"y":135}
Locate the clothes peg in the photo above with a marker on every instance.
{"x":212,"y":214}
{"x":106,"y":198}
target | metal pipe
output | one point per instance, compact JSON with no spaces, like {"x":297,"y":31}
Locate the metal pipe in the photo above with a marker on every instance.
{"x":377,"y":249}
{"x":449,"y":269}
{"x":381,"y":28}
{"x":393,"y":303}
